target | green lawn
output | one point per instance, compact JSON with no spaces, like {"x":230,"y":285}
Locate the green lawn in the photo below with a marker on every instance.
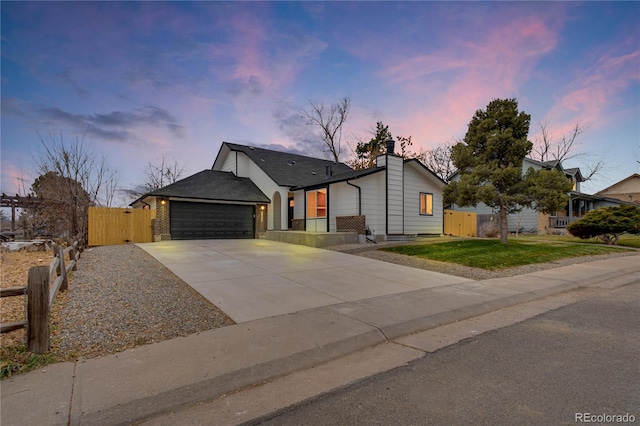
{"x":625,"y":240}
{"x":490,"y":254}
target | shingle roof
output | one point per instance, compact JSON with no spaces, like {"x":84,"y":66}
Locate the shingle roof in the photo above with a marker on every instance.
{"x":575,"y":172}
{"x":351,"y":174}
{"x":289,"y":169}
{"x":213,"y":185}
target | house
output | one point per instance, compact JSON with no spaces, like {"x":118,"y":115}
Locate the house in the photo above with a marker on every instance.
{"x":628,"y":189}
{"x":250,"y":191}
{"x":532,"y":221}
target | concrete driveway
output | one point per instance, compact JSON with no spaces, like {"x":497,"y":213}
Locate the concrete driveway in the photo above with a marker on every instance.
{"x":255,"y":279}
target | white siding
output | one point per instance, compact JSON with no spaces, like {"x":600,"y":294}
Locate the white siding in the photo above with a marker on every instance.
{"x":243,"y":166}
{"x":373,"y":201}
{"x":298,"y":205}
{"x":343,"y":201}
{"x":229,"y":164}
{"x":417,"y":181}
{"x":395,"y":194}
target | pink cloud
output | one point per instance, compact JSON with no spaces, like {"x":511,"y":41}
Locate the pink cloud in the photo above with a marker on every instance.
{"x":464,"y":77}
{"x":589,"y":98}
{"x":14,"y":179}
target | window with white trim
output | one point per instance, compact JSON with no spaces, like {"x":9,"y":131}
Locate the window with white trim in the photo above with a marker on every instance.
{"x":317,"y":204}
{"x":426,"y":204}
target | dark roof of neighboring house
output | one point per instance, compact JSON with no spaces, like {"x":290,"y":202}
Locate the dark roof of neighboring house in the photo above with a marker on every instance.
{"x":288,"y":169}
{"x":574,"y":172}
{"x":213,"y":185}
{"x":582,"y":196}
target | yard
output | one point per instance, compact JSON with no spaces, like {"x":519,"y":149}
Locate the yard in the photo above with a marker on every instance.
{"x":119,"y":298}
{"x":85,"y":322}
{"x":491,"y":255}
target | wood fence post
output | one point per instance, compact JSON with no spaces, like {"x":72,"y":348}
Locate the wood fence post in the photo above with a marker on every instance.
{"x":72,"y":255}
{"x":62,"y":269}
{"x":38,"y":310}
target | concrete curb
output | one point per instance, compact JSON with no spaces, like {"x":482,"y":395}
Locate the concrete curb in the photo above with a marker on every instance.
{"x":168,"y":376}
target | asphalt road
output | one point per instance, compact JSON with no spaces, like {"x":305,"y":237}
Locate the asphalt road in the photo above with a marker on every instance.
{"x":582,"y":358}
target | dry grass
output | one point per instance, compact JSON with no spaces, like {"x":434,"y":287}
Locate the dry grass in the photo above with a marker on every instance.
{"x":15,"y":270}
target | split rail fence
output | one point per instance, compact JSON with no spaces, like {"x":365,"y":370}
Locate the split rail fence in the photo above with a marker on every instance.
{"x":43,"y":285}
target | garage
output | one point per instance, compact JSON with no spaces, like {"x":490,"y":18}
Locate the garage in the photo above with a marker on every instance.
{"x":199,"y":221}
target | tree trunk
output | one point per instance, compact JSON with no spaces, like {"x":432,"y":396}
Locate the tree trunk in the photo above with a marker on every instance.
{"x":504,"y":225}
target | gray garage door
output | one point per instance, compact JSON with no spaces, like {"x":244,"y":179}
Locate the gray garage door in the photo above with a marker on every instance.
{"x":199,"y":221}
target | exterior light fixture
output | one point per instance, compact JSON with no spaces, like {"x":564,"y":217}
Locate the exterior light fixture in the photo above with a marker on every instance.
{"x":262,"y":207}
{"x":163,"y":202}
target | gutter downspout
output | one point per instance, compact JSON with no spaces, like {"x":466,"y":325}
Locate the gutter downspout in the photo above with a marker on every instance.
{"x":359,"y":197}
{"x":328,"y":209}
{"x":146,"y":204}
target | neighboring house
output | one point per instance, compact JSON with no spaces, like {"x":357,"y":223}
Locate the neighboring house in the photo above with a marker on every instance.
{"x":250,"y":190}
{"x":530,"y":220}
{"x":628,"y":189}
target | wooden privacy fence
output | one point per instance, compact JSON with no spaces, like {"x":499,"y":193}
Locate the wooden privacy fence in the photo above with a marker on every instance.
{"x":460,"y":224}
{"x":43,"y":285}
{"x":109,"y":226}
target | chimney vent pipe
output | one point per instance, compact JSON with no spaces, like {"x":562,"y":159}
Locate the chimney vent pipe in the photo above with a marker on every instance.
{"x":391,"y":144}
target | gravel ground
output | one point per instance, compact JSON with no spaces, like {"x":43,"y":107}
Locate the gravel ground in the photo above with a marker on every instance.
{"x":121,"y":297}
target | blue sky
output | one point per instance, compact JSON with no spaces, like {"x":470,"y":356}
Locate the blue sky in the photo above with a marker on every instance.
{"x":144,"y":80}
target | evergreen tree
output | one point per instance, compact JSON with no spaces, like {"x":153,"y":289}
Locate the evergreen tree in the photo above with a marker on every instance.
{"x":489,"y":161}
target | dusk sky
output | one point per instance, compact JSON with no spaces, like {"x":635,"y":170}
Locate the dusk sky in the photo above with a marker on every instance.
{"x":144,"y":80}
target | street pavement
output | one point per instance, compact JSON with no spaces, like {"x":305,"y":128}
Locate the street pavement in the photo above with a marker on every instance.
{"x":152,"y":382}
{"x":563,"y":367}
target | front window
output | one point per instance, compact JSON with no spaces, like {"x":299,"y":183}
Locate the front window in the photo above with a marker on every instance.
{"x":426,"y":204}
{"x":317,"y":203}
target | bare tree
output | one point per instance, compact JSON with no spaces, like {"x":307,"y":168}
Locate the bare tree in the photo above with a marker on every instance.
{"x":548,"y":148}
{"x":438,"y":159}
{"x":158,"y":175}
{"x":82,"y":175}
{"x":330,"y":120}
{"x":112,"y":181}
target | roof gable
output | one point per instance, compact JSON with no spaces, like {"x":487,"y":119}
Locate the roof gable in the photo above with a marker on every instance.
{"x":213,"y":185}
{"x":284,"y":168}
{"x":620,"y":186}
{"x":420,"y":165}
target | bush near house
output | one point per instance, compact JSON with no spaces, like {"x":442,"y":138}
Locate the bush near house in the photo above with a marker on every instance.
{"x":607,"y":223}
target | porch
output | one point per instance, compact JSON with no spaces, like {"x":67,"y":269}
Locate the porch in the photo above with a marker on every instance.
{"x":560,"y":222}
{"x":578,"y":206}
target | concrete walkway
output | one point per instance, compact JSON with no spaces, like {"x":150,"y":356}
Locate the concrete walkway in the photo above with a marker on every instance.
{"x":166,"y":377}
{"x":256,"y":279}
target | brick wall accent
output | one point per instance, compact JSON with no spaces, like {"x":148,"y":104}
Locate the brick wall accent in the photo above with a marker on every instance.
{"x":297,"y":224}
{"x":162,"y":224}
{"x":261,"y":220}
{"x":351,"y":224}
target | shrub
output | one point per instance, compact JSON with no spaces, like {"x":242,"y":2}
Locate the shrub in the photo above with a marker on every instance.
{"x":607,"y":223}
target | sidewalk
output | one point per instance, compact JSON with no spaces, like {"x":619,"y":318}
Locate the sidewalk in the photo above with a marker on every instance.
{"x":164,"y":377}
